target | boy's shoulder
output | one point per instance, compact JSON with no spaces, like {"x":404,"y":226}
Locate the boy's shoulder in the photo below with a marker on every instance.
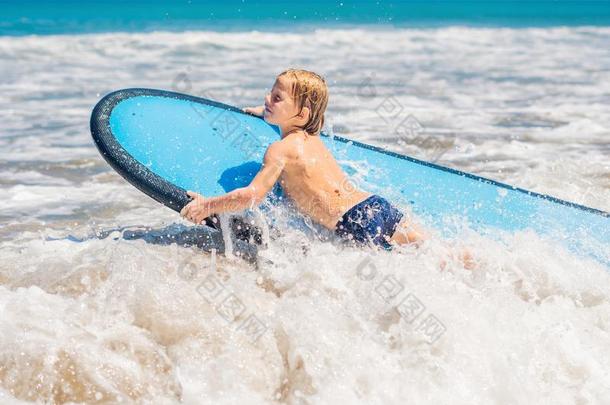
{"x":286,"y":146}
{"x":278,"y":150}
{"x":290,"y":146}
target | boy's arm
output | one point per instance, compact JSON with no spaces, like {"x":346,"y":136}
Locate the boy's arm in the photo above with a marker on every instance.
{"x":258,"y":111}
{"x":241,"y":198}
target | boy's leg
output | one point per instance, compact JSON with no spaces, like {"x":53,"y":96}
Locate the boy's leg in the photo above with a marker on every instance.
{"x":408,"y":232}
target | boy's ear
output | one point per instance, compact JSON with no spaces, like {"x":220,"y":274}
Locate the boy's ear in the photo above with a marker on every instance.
{"x":305,"y":113}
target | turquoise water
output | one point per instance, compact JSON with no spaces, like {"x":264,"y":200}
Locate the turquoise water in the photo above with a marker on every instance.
{"x":59,"y":17}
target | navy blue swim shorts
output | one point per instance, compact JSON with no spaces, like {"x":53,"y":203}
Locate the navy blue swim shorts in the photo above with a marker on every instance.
{"x":370,"y":222}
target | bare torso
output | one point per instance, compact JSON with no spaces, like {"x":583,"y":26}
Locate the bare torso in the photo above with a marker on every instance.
{"x":313,"y":179}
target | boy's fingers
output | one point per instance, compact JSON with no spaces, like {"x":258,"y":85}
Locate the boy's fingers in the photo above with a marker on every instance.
{"x":193,"y":194}
{"x":253,"y":110}
{"x":186,"y":210}
{"x":190,"y":210}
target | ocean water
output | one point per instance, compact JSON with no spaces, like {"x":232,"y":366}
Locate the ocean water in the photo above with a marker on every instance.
{"x":89,"y":316}
{"x":70,"y":16}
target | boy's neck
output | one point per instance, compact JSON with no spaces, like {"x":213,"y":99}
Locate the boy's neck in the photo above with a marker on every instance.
{"x":291,"y":131}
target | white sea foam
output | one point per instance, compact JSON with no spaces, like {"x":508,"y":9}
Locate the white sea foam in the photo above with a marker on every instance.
{"x":88,"y":318}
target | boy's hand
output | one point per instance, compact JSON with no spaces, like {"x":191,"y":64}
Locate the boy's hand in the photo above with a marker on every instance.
{"x":197,"y":210}
{"x":258,"y":111}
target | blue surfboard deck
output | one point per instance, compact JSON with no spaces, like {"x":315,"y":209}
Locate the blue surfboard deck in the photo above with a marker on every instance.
{"x":165,"y":143}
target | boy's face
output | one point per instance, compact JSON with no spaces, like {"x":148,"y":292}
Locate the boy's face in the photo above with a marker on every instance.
{"x":280,"y":108}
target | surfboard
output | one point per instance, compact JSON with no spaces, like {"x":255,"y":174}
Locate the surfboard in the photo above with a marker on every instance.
{"x":164,"y":143}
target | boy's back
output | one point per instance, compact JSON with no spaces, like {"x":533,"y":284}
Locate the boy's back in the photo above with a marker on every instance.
{"x":312,"y":178}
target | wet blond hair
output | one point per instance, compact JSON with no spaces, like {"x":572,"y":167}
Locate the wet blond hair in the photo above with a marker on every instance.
{"x":308,"y":89}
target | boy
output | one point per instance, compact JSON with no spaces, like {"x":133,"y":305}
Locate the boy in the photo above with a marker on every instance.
{"x":308,"y":173}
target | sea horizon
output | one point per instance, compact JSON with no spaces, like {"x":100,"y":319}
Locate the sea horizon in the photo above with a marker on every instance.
{"x":71,"y":17}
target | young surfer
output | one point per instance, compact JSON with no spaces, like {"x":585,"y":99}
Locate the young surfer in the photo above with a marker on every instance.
{"x":308,"y":173}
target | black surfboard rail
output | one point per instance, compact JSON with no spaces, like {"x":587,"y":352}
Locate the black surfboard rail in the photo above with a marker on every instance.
{"x":139,"y":175}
